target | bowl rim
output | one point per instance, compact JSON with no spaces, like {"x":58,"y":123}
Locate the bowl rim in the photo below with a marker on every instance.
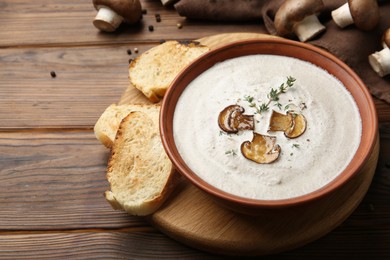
{"x":361,"y":155}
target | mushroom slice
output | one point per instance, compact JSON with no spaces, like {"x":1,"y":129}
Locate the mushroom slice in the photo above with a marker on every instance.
{"x":299,"y":126}
{"x":292,"y":124}
{"x":232,"y":119}
{"x":280,"y":122}
{"x":261,"y":149}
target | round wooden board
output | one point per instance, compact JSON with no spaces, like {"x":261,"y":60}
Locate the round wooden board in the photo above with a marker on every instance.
{"x":193,"y":218}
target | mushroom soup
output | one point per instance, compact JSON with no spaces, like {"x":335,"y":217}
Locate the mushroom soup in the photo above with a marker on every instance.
{"x":266,"y":127}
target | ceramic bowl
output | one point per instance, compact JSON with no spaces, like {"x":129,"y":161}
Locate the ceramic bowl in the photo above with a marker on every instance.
{"x":281,"y":47}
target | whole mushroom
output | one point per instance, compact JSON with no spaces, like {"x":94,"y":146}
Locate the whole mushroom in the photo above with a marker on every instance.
{"x":380,"y":61}
{"x":299,"y":17}
{"x":363,"y":13}
{"x":111,"y":13}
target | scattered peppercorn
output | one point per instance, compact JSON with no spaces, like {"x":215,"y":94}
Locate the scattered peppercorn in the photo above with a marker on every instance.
{"x":136,"y":50}
{"x":151,"y":28}
{"x":130,"y":61}
{"x":129,"y":52}
{"x":53,"y":74}
{"x":162,"y":41}
{"x":179,"y":25}
{"x":158,"y":18}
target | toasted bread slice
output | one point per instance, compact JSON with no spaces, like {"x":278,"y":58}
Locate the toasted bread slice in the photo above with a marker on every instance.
{"x":107,"y":125}
{"x":154,"y":70}
{"x":140,"y":174}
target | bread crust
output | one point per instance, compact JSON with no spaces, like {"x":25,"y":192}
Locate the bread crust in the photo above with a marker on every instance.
{"x":140,"y":174}
{"x":153,"y":71}
{"x":107,"y":125}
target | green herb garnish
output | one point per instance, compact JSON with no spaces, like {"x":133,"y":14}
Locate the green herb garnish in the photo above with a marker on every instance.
{"x":273,"y":96}
{"x":232,"y":152}
{"x":249,"y":99}
{"x":262,"y":108}
{"x":278,"y":105}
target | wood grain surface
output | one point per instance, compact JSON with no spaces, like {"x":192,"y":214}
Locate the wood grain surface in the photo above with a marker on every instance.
{"x":52,"y":169}
{"x":69,"y":23}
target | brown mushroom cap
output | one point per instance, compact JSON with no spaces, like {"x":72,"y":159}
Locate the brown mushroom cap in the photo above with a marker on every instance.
{"x":299,"y":126}
{"x":262,"y":149}
{"x":365,"y":13}
{"x":130,"y":10}
{"x":386,"y":37}
{"x":232,"y":119}
{"x":292,"y":124}
{"x":292,"y":11}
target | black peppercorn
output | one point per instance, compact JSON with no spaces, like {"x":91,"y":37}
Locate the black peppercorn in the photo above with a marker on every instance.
{"x":158,"y":18}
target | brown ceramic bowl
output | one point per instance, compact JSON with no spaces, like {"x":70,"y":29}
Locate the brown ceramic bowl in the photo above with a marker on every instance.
{"x":281,"y":47}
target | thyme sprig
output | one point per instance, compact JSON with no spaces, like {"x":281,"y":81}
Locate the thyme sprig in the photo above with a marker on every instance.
{"x":232,"y":152}
{"x":273,"y":96}
{"x":262,"y":108}
{"x":250,"y":99}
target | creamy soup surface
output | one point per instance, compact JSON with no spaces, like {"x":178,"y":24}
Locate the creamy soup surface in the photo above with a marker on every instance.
{"x":305,"y":164}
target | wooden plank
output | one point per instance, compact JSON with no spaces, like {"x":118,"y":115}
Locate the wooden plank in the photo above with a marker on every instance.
{"x":142,"y":245}
{"x":55,"y":181}
{"x":88,"y":79}
{"x":69,"y":22}
{"x":107,"y":245}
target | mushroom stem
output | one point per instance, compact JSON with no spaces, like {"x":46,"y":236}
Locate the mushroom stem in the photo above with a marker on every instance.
{"x":342,"y":16}
{"x":308,"y":28}
{"x":107,"y":20}
{"x":380,"y":61}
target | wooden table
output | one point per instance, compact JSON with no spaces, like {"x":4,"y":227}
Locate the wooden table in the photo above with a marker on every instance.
{"x":52,"y":169}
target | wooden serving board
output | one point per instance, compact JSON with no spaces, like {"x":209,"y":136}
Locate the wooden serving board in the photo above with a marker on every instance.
{"x":193,"y":218}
